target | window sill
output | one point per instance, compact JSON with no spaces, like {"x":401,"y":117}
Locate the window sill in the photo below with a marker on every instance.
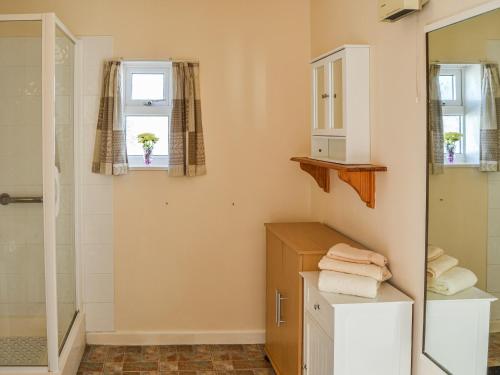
{"x":461,"y":165}
{"x":158,"y":163}
{"x":137,"y":168}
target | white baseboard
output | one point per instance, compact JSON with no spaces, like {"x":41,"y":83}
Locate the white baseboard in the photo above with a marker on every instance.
{"x":495,"y":326}
{"x":176,"y":338}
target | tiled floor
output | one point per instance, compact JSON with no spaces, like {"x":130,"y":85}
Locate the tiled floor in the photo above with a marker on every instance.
{"x":494,"y":350}
{"x":175,"y":359}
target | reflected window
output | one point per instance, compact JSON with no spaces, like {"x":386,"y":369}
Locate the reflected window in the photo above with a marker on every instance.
{"x":459,"y":85}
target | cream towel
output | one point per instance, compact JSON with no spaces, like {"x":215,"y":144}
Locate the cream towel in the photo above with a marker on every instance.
{"x":343,"y":283}
{"x":439,"y":266}
{"x":347,"y":253}
{"x":452,"y":282}
{"x":433,"y":252}
{"x":369,"y":270}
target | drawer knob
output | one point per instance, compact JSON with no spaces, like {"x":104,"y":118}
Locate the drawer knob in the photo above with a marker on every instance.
{"x":320,"y":150}
{"x":317,"y":306}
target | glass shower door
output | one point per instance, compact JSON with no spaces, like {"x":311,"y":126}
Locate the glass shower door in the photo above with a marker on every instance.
{"x":23,"y":338}
{"x":65,"y":183}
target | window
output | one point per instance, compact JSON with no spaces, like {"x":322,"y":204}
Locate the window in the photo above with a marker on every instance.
{"x":452,"y":94}
{"x":148,"y":107}
{"x":450,"y":82}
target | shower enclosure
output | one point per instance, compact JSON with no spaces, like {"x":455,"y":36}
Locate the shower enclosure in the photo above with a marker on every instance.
{"x":39,"y":297}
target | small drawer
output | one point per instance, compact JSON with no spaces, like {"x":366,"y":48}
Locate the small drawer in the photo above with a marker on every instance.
{"x":329,"y":148}
{"x":319,"y":308}
{"x":319,"y":147}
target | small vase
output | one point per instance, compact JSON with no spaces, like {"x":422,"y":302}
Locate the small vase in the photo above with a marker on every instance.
{"x":451,"y":153}
{"x":148,"y":152}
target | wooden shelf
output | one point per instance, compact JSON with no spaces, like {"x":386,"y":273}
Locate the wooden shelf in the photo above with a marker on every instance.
{"x":360,"y":176}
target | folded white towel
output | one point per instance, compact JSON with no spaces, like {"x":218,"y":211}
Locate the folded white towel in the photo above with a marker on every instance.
{"x":343,"y":283}
{"x":433,"y":252}
{"x":440,"y":265}
{"x":452,"y":281}
{"x":369,"y":270}
{"x":347,"y":253}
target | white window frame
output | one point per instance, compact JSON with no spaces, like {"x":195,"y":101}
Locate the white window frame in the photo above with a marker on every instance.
{"x":148,"y":108}
{"x":457,"y":73}
{"x":456,"y":108}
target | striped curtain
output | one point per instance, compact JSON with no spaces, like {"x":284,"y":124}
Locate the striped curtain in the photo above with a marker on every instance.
{"x":435,"y":123}
{"x":110,"y":149}
{"x":186,"y":147}
{"x":490,"y":119}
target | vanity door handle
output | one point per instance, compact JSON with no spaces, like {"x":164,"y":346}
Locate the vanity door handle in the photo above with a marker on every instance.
{"x":279,"y":299}
{"x":325,"y":96}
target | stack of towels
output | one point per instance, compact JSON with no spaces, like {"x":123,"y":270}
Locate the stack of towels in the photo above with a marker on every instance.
{"x":348,"y":270}
{"x":443,"y":274}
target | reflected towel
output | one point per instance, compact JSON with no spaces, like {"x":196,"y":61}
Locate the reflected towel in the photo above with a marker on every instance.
{"x":452,"y":282}
{"x":369,"y":270}
{"x":439,"y":266}
{"x":433,"y":252}
{"x":343,"y":283}
{"x":347,"y":253}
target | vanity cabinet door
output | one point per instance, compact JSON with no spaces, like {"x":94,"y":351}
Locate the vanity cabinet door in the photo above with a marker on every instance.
{"x":318,"y":349}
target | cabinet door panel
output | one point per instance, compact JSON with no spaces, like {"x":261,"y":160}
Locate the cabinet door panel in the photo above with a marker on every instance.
{"x":291,"y":330}
{"x":338,"y":94}
{"x":318,"y":349}
{"x":321,"y":97}
{"x":274,"y":265}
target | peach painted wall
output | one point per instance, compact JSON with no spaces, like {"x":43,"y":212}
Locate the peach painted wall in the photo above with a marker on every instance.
{"x":397,"y":226}
{"x":198,"y":262}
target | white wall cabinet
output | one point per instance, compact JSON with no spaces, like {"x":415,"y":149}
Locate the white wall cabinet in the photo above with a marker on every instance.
{"x":341,"y":105}
{"x":348,"y":335}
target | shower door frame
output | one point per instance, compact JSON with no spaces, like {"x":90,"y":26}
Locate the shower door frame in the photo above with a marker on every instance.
{"x":49,"y":24}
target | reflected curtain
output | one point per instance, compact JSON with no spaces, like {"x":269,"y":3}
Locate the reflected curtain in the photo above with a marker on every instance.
{"x":490,"y":119}
{"x":435,"y":122}
{"x":186,"y":146}
{"x":110,"y":149}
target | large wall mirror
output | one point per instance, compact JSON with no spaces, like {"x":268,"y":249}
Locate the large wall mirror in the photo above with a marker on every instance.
{"x":462,"y":312}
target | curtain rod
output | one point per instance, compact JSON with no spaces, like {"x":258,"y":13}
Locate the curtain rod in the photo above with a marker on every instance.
{"x":157,"y":60}
{"x":485,"y":61}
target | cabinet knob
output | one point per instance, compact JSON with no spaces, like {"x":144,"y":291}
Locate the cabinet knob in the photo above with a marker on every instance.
{"x":325,"y":96}
{"x":317,"y":306}
{"x":320,"y":150}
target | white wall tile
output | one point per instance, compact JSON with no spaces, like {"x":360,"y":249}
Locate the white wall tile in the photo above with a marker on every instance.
{"x":493,"y":250}
{"x":97,"y":206}
{"x":98,"y":199}
{"x":98,"y":259}
{"x":494,"y":194}
{"x":91,"y":110}
{"x":494,"y":222}
{"x":495,"y":308}
{"x":13,"y":52}
{"x":97,"y":229}
{"x":99,"y":288}
{"x":99,"y":317}
{"x":493,"y":283}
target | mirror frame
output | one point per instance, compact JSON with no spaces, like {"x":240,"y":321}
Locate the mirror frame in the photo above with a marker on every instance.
{"x":454,"y":19}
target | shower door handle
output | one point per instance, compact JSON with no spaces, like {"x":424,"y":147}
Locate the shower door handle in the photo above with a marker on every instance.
{"x":6,"y":199}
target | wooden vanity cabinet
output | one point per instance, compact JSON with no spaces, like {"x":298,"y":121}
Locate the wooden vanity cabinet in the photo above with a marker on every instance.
{"x":291,"y":248}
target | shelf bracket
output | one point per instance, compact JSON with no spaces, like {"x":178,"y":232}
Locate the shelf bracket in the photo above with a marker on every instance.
{"x":360,"y":177}
{"x":363,"y":183}
{"x":321,"y":175}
